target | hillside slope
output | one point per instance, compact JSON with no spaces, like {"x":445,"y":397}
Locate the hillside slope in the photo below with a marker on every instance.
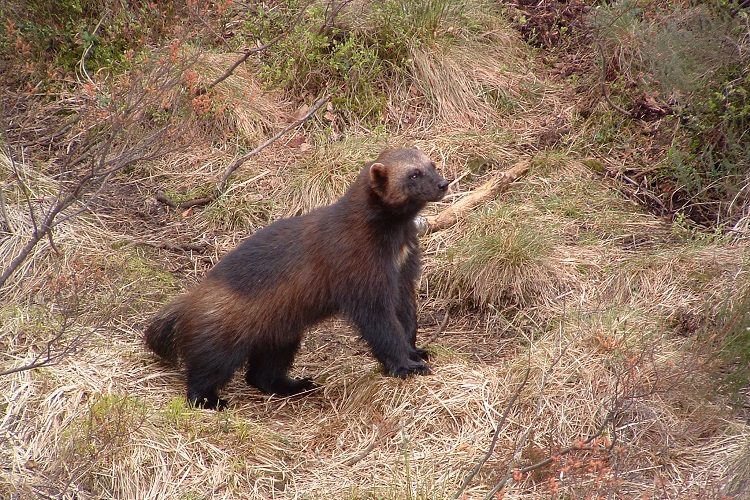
{"x":582,"y":347}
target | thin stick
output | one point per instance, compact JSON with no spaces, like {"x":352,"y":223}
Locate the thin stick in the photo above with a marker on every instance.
{"x":495,"y":435}
{"x":242,"y":159}
{"x":222,"y":182}
{"x":8,"y":224}
{"x":439,"y":330}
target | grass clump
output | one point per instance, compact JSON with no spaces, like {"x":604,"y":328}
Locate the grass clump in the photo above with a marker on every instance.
{"x":324,"y":176}
{"x":498,"y":262}
{"x":239,"y":216}
{"x":359,"y":54}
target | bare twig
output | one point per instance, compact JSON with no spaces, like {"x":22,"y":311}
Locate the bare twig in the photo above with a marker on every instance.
{"x":102,"y":148}
{"x":50,"y":355}
{"x":508,"y":407}
{"x":438,"y":330}
{"x":640,"y":190}
{"x":242,"y":159}
{"x":162,"y":197}
{"x":222,"y":182}
{"x":53,"y":352}
{"x":332,"y":10}
{"x":248,"y":52}
{"x":495,"y":435}
{"x":4,"y":212}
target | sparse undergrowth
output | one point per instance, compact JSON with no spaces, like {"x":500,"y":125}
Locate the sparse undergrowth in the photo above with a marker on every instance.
{"x":582,"y":347}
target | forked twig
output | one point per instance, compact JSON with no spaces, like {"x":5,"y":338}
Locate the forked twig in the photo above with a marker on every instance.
{"x":254,"y":50}
{"x":242,"y":159}
{"x":495,"y":435}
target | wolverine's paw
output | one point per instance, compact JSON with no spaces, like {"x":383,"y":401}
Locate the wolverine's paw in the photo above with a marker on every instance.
{"x":209,"y":403}
{"x":413,"y":368}
{"x":420,"y":353}
{"x":292,"y":386}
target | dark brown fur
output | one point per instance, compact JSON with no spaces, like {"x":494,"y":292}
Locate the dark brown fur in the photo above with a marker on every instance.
{"x":358,"y":257}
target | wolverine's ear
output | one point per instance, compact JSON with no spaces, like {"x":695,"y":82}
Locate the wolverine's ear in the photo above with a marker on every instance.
{"x":378,"y":177}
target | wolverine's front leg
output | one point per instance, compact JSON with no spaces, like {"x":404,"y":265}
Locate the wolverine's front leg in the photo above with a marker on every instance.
{"x":380,"y":326}
{"x":406,"y":312}
{"x":406,"y":306}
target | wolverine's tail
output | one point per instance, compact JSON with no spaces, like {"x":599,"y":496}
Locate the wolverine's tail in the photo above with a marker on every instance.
{"x":160,"y":334}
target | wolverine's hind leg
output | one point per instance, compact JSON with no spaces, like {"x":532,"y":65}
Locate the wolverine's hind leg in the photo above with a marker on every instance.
{"x":207,"y":372}
{"x":267,"y":370}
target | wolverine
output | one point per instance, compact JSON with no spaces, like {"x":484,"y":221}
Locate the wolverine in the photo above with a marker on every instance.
{"x":358,"y":258}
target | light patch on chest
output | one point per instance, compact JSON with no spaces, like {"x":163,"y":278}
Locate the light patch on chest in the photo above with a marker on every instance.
{"x":403,"y":254}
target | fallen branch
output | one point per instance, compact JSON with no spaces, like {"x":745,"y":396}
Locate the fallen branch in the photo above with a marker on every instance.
{"x":485,"y":192}
{"x":165,"y":245}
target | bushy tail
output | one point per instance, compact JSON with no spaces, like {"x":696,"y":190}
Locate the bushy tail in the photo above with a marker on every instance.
{"x":160,"y":334}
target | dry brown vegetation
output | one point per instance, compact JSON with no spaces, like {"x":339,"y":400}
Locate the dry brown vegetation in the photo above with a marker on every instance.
{"x":579,"y":343}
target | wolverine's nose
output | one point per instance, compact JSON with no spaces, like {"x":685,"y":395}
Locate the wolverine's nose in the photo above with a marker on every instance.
{"x":443,"y":185}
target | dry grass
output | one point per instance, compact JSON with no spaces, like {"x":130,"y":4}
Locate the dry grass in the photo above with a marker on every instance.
{"x":608,"y":309}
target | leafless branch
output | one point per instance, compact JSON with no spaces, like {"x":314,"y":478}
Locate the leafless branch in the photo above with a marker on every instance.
{"x":222,"y":182}
{"x":495,"y":435}
{"x":543,"y":463}
{"x":51,"y":354}
{"x":242,"y":159}
{"x":57,"y":348}
{"x":104,"y":146}
{"x":248,"y":52}
{"x":4,"y":212}
{"x":332,"y":10}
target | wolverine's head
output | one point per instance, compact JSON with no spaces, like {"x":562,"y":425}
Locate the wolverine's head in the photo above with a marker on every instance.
{"x":405,"y":180}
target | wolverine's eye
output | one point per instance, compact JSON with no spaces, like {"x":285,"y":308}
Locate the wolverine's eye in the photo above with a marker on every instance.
{"x":415,"y":175}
